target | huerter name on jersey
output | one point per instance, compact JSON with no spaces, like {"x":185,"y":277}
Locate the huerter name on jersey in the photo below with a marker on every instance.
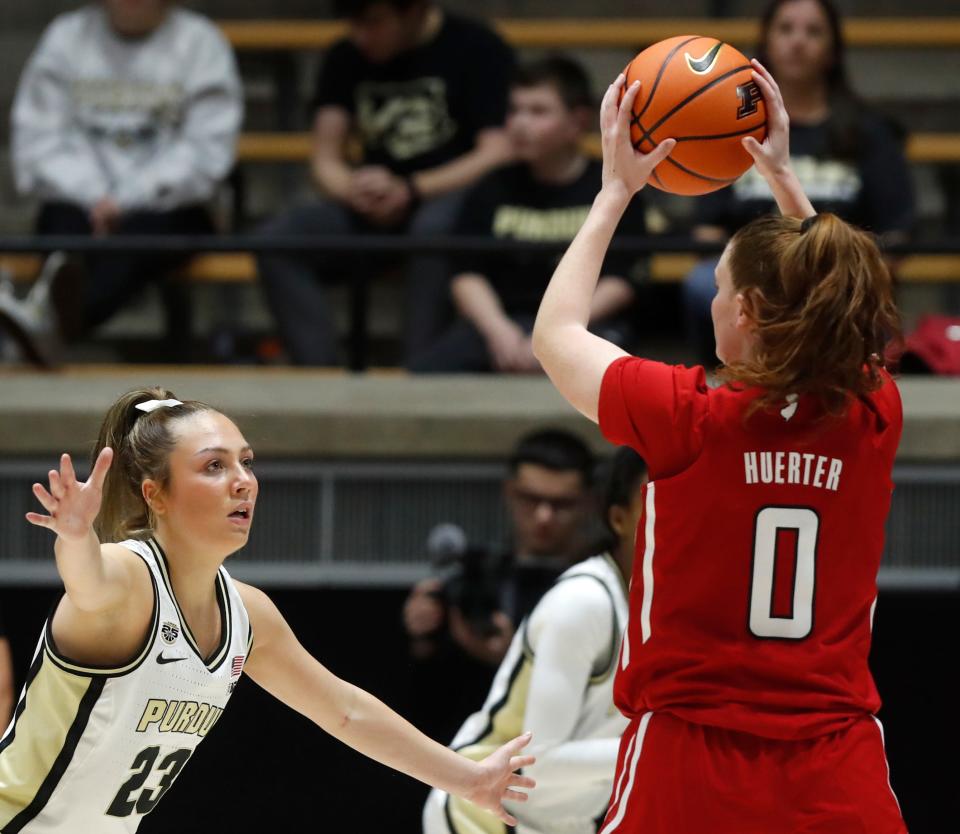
{"x":178,"y":717}
{"x":803,"y":468}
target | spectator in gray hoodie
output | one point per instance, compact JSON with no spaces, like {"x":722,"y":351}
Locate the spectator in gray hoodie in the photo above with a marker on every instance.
{"x":125,"y":122}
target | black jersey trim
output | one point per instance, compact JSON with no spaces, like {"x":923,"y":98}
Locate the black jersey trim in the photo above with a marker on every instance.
{"x":22,"y":703}
{"x":64,"y":757}
{"x":61,"y":661}
{"x":217,"y":656}
{"x":499,"y":705}
{"x":226,"y":620}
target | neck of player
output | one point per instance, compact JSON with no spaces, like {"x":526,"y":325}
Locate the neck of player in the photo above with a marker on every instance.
{"x":192,"y":573}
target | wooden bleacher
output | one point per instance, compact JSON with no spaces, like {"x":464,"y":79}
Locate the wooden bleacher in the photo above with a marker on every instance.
{"x":593,"y":33}
{"x":295,"y":147}
{"x":239,"y":268}
{"x":626,"y":33}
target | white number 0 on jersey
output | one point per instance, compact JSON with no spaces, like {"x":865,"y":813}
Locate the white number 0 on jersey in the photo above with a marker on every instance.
{"x":770,"y":520}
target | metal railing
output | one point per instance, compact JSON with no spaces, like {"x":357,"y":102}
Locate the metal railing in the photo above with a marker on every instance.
{"x":366,"y":524}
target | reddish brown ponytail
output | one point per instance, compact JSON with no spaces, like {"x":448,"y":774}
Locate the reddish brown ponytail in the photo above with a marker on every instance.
{"x":822,"y":299}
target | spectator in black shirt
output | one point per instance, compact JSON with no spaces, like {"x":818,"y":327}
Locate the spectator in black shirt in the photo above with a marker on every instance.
{"x":848,"y":158}
{"x":426,"y":92}
{"x":543,"y":198}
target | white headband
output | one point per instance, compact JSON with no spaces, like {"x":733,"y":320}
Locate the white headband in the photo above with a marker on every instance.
{"x":151,"y":405}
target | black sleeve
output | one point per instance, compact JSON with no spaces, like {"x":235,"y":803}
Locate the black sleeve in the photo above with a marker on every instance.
{"x":718,"y":208}
{"x":337,"y":79}
{"x":633,"y":224}
{"x":475,"y":219}
{"x":887,"y":188}
{"x":488,"y":83}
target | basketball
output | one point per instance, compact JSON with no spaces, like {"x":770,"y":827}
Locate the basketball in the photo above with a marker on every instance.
{"x":700,"y":92}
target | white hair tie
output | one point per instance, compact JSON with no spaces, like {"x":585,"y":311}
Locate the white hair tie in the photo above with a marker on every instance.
{"x":151,"y":405}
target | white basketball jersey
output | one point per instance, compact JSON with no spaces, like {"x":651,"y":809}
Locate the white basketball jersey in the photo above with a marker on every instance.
{"x":591,"y":599}
{"x":91,"y":750}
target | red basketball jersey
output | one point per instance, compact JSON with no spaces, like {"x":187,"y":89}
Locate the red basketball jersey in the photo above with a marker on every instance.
{"x":754,"y":584}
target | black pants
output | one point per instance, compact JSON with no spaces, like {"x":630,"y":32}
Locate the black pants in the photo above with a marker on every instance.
{"x":113,"y":280}
{"x":295,"y":285}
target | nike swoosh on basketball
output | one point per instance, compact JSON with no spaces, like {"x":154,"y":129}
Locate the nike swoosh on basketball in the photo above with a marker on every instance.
{"x":704,"y":64}
{"x":162,"y":659}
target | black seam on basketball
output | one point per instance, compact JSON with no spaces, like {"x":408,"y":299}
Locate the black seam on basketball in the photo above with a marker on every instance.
{"x":663,"y":68}
{"x":699,"y":176}
{"x":703,"y":89}
{"x":645,"y":134}
{"x":656,"y":176}
{"x":720,"y":135}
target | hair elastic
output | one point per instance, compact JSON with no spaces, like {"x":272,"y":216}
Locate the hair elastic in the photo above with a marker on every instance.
{"x":808,"y":222}
{"x":152,"y":405}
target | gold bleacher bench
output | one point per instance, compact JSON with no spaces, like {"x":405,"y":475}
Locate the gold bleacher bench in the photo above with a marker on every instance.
{"x":295,"y":147}
{"x":240,"y":268}
{"x":625,"y":33}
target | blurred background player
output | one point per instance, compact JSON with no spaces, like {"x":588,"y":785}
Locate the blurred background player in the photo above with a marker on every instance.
{"x":557,"y":681}
{"x":426,"y":92}
{"x":125,"y":122}
{"x":543,"y":198}
{"x":744,"y":669}
{"x":848,"y":158}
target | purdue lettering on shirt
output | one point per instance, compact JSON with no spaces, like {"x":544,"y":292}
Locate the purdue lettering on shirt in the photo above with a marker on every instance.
{"x":178,"y":716}
{"x":802,"y":468}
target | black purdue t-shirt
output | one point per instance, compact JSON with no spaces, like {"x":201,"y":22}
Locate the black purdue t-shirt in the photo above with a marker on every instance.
{"x":424,"y":107}
{"x":872,"y":191}
{"x":509,"y":204}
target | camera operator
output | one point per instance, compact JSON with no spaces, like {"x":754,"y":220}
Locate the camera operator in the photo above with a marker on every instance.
{"x":474,"y":606}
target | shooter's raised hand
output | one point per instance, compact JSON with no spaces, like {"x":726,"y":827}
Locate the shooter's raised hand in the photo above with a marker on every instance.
{"x":623,"y":165}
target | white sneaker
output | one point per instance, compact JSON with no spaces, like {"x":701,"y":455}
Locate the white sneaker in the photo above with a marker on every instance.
{"x":31,"y":321}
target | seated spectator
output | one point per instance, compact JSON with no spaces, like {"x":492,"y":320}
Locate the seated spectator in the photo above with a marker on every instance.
{"x":543,"y":198}
{"x":125,"y":122}
{"x":548,"y":497}
{"x":848,"y":158}
{"x":426,"y":92}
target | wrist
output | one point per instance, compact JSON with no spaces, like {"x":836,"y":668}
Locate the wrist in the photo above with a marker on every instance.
{"x":613,"y":197}
{"x":415,"y":198}
{"x":496,"y":325}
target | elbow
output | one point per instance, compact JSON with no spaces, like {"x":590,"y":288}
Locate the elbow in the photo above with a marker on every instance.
{"x":538,"y":341}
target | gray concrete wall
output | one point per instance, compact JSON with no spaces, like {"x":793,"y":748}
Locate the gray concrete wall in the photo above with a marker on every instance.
{"x":313,"y":414}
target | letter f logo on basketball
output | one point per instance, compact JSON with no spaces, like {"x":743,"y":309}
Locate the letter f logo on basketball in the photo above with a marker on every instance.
{"x":703,"y":65}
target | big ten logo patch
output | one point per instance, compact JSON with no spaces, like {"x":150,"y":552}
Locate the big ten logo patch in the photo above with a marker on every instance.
{"x":169,"y":631}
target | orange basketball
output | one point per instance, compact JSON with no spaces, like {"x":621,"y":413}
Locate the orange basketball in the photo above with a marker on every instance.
{"x":698,"y":91}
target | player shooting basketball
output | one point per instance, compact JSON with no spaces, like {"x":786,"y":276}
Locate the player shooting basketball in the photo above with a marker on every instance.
{"x":744,"y":667}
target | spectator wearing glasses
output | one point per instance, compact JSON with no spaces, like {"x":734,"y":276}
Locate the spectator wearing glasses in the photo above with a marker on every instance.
{"x":549,"y":499}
